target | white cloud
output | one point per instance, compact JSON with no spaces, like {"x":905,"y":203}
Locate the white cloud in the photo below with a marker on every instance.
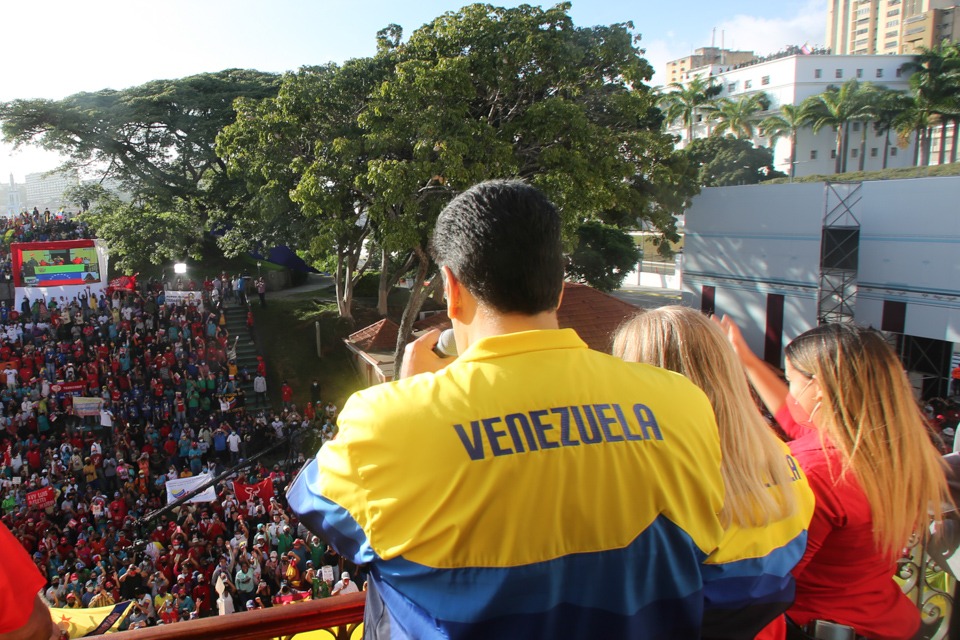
{"x":760,"y":35}
{"x":768,"y":35}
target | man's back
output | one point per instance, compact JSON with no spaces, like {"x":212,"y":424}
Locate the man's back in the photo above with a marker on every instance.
{"x":533,"y":488}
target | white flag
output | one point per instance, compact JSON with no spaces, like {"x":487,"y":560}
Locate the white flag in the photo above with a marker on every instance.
{"x":180,"y":487}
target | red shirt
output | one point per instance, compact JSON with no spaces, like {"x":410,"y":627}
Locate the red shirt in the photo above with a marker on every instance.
{"x":842,"y":576}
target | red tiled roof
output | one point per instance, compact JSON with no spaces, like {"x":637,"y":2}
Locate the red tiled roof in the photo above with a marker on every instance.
{"x":379,"y":336}
{"x":594,"y":315}
{"x":436,"y":321}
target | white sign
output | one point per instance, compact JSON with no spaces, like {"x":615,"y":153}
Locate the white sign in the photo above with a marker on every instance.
{"x":326,"y":572}
{"x":181,"y":297}
{"x":180,"y":487}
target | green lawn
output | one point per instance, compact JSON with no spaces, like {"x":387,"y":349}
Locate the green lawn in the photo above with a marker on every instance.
{"x":286,"y":335}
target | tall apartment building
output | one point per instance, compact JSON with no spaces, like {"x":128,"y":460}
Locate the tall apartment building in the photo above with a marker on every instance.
{"x":869,"y":27}
{"x":679,"y":70}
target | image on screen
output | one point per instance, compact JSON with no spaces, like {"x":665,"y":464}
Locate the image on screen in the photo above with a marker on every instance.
{"x":55,"y":267}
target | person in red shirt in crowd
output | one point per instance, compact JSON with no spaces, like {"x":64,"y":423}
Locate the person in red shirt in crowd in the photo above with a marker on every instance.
{"x":861,"y":439}
{"x":201,"y":596}
{"x":286,"y":394}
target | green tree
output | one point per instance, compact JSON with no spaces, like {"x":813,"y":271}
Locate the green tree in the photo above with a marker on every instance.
{"x":487,"y":92}
{"x":301,"y":156}
{"x":157,"y":139}
{"x":837,"y":107}
{"x":889,"y":106}
{"x":935,"y":82}
{"x":738,"y":117}
{"x":725,"y":161}
{"x":788,"y":123}
{"x":914,"y":123}
{"x":685,"y":102}
{"x":604,"y":256}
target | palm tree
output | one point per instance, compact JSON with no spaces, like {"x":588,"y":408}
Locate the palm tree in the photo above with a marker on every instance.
{"x":788,"y":122}
{"x":738,"y":117}
{"x":935,"y":81}
{"x":914,"y":122}
{"x":837,"y":107}
{"x":869,"y":97}
{"x":889,"y":106}
{"x":684,"y":101}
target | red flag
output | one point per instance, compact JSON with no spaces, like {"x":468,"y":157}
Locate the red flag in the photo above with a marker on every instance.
{"x":128,"y":283}
{"x":262,"y":490}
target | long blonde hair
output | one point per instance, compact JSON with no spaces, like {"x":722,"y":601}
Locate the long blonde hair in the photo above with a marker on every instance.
{"x":686,"y":341}
{"x":868,"y":412}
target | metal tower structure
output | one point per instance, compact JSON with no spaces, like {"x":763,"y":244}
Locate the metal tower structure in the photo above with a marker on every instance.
{"x":839,"y":253}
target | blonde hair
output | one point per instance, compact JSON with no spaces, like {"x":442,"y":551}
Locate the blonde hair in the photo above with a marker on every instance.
{"x":686,"y":341}
{"x":868,"y":412}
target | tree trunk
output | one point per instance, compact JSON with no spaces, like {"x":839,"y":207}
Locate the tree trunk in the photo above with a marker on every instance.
{"x":344,"y":275}
{"x":863,"y":146}
{"x":942,"y":158}
{"x":388,"y":279}
{"x":886,"y":148}
{"x":916,"y":148}
{"x":418,"y":293}
{"x":793,"y":156}
{"x":839,"y":151}
{"x":383,"y":290}
{"x":846,"y":146}
{"x":956,"y":139}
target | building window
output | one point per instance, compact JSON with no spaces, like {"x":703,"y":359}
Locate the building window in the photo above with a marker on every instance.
{"x":854,"y":153}
{"x":731,"y":87}
{"x":879,"y":73}
{"x":893,"y":151}
{"x":891,"y":45}
{"x":833,"y":154}
{"x":747,"y":84}
{"x":856,"y":127}
{"x":813,"y":154}
{"x":859,"y":73}
{"x":765,"y":80}
{"x":893,"y":12}
{"x":818,"y":73}
{"x":899,"y":72}
{"x":838,"y":73}
{"x":873,"y":152}
{"x":892,"y":23}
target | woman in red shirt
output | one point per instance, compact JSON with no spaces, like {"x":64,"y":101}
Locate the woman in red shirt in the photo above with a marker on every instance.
{"x":860,"y":438}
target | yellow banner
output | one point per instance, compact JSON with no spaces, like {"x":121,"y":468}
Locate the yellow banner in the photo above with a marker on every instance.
{"x":80,"y":623}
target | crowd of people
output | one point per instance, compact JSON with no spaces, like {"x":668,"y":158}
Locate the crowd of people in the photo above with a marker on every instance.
{"x":171,"y":406}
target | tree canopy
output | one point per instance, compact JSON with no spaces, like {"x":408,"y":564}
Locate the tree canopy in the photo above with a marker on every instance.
{"x":156,"y":139}
{"x":725,"y":161}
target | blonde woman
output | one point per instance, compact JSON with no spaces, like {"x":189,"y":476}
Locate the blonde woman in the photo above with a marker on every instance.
{"x":767,"y":502}
{"x":859,"y":435}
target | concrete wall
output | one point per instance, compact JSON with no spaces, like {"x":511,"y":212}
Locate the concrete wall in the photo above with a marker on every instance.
{"x":751,"y":241}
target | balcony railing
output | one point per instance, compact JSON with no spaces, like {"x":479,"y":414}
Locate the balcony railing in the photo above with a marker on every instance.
{"x":339,"y":616}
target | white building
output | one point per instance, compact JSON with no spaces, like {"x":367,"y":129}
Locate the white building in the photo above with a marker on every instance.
{"x":792,"y":79}
{"x":47,"y":189}
{"x":779,"y":258}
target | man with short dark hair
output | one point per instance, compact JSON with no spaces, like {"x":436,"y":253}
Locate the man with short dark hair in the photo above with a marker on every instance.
{"x":482,"y":491}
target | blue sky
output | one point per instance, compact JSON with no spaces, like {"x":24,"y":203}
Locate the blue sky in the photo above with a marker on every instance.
{"x":65,"y":47}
